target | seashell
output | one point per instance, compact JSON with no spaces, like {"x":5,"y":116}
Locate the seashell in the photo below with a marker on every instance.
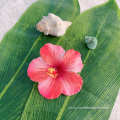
{"x":91,"y":42}
{"x":53,"y":25}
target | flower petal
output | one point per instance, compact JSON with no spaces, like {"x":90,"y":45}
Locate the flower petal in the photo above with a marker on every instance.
{"x":72,"y":61}
{"x":50,"y":88}
{"x":52,"y":54}
{"x":37,"y":70}
{"x":72,"y":83}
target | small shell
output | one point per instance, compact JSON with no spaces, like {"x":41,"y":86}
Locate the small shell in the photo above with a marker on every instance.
{"x":91,"y":42}
{"x":53,"y":25}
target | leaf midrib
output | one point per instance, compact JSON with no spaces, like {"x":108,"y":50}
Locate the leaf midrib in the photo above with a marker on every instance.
{"x":14,"y":76}
{"x":68,"y":97}
{"x":12,"y":79}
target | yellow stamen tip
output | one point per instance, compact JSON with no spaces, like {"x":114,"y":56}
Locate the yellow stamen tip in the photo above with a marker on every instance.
{"x":52,"y":72}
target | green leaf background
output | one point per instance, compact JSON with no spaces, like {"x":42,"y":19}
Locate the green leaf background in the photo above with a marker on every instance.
{"x":19,"y":96}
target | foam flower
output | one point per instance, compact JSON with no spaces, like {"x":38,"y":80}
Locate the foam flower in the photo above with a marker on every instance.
{"x":56,"y":71}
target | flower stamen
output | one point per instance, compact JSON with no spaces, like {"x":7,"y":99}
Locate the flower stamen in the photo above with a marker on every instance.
{"x":52,"y":72}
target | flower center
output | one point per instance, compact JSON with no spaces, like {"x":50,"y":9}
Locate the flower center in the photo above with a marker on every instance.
{"x":52,"y":72}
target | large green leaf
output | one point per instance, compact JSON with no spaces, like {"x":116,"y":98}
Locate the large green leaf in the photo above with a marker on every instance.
{"x":17,"y":49}
{"x":100,"y":73}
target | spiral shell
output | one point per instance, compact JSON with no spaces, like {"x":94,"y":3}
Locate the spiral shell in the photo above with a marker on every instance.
{"x":53,"y":25}
{"x":91,"y":42}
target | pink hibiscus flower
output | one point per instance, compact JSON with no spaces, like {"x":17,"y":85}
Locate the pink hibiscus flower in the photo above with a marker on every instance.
{"x":56,"y":71}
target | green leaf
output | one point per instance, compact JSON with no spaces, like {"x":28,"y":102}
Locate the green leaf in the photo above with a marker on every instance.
{"x":19,"y":47}
{"x":101,"y":78}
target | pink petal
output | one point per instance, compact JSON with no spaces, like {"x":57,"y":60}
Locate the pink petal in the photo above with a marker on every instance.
{"x":72,"y":61}
{"x":52,"y":54}
{"x":72,"y":83}
{"x":50,"y":88}
{"x":37,"y":70}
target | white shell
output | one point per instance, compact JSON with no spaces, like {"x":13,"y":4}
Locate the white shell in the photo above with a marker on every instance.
{"x":53,"y":25}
